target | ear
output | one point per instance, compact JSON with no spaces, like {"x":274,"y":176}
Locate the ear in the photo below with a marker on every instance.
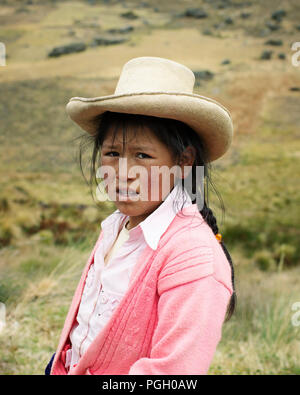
{"x":187,"y":159}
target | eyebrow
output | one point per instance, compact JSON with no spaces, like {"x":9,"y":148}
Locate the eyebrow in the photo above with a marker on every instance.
{"x":137,"y":147}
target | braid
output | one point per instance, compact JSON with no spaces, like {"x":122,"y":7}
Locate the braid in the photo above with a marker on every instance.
{"x":210,"y":219}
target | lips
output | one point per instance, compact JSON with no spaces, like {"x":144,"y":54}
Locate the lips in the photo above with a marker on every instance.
{"x":128,"y":192}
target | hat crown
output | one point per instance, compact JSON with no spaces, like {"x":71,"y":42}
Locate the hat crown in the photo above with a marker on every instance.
{"x":153,"y":74}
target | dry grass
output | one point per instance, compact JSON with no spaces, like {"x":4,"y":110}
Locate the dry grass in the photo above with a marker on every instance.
{"x":261,"y":338}
{"x":34,"y":320}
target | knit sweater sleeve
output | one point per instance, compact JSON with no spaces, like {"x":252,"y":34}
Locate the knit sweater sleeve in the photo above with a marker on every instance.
{"x":189,"y":327}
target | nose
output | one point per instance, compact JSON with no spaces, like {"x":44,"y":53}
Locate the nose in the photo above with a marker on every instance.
{"x":123,"y":174}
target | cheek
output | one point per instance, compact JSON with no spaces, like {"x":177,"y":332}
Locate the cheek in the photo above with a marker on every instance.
{"x":106,"y":161}
{"x":160,"y":183}
{"x":161,"y":176}
{"x":107,"y":170}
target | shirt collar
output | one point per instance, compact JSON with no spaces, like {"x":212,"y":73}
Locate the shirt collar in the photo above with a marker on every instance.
{"x":157,"y":222}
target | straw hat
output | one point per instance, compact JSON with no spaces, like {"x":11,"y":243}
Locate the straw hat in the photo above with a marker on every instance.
{"x":162,"y":88}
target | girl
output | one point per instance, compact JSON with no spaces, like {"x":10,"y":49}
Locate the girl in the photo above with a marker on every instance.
{"x":154,"y":294}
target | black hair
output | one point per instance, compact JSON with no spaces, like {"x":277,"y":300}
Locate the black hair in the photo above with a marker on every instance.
{"x":176,"y":135}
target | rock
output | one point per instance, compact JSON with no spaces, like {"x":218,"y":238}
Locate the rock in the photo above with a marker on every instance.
{"x":65,"y":205}
{"x":278,"y":15}
{"x":266,"y":55}
{"x":245,"y":15}
{"x":273,"y":42}
{"x":207,"y":32}
{"x":226,"y":61}
{"x":107,"y":40}
{"x":67,"y":49}
{"x":81,"y":207}
{"x":228,"y":21}
{"x":295,"y":89}
{"x":129,"y":15}
{"x":272,"y":26}
{"x":195,"y":13}
{"x":222,"y":4}
{"x":43,"y":204}
{"x":144,"y":4}
{"x":71,"y":33}
{"x":281,"y":56}
{"x":205,"y":75}
{"x":121,"y":30}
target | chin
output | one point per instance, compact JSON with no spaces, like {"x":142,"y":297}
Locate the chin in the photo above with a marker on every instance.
{"x":126,"y":209}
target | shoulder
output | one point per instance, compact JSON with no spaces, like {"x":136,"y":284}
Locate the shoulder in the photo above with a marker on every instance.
{"x":188,"y":229}
{"x":190,"y":248}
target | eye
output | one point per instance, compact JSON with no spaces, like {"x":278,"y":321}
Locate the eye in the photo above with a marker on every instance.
{"x":112,"y":152}
{"x":141,"y":153}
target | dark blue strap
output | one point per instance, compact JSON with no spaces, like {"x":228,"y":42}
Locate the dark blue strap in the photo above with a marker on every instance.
{"x":48,"y":368}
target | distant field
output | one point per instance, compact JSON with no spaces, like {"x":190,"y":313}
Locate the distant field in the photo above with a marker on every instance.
{"x":48,"y":219}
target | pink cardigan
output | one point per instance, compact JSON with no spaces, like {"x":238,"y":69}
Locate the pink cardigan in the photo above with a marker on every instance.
{"x":170,"y":319}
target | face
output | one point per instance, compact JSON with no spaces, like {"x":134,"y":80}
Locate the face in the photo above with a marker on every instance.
{"x":131,"y":169}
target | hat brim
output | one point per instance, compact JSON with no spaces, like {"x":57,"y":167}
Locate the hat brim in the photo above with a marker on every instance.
{"x":205,"y":116}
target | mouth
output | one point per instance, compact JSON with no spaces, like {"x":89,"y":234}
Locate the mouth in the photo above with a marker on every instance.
{"x":126,"y":192}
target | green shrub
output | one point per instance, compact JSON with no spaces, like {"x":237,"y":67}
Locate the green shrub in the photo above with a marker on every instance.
{"x":4,"y":205}
{"x":285,"y":254}
{"x":264,"y":260}
{"x":6,"y":235}
{"x":46,"y":236}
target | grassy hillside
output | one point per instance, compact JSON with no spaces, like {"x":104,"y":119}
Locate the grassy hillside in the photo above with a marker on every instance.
{"x":48,"y":219}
